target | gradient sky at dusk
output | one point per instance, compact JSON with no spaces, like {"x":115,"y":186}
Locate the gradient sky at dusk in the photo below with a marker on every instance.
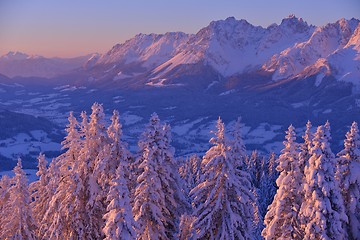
{"x":68,"y":28}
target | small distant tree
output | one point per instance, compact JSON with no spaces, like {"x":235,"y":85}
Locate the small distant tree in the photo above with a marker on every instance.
{"x":255,"y":167}
{"x":223,"y":200}
{"x":322,"y":210}
{"x":348,"y":168}
{"x":281,"y":220}
{"x":18,"y":223}
{"x":190,"y":171}
{"x":119,"y":221}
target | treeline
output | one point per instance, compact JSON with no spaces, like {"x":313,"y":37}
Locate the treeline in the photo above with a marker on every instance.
{"x":97,"y":189}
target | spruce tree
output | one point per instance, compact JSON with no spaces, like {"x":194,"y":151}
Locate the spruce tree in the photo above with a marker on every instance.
{"x":190,"y":171}
{"x":40,"y":193}
{"x":5,"y":183}
{"x":159,"y":200}
{"x":281,"y":220}
{"x":119,"y":221}
{"x":223,"y":201}
{"x":322,"y":210}
{"x":18,"y":223}
{"x":348,"y":168}
{"x":237,"y":146}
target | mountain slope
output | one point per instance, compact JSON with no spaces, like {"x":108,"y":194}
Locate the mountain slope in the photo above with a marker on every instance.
{"x":15,"y":64}
{"x":314,"y":52}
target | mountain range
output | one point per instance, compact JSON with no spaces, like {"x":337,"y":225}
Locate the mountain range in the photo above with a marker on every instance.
{"x":229,"y":48}
{"x":283,"y":74}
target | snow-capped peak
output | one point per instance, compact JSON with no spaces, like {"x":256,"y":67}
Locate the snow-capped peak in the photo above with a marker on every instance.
{"x":15,"y":56}
{"x":150,"y":49}
{"x":294,"y":24}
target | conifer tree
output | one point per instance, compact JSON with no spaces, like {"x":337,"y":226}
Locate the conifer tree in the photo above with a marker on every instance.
{"x":119,"y":219}
{"x":322,"y":209}
{"x":222,"y":199}
{"x":190,"y":171}
{"x":76,"y":208}
{"x":18,"y":223}
{"x":41,"y":194}
{"x":157,"y":167}
{"x":5,"y":183}
{"x":92,"y":196}
{"x":305,"y":147}
{"x":255,"y":167}
{"x":237,"y":146}
{"x":72,"y":145}
{"x":281,"y":220}
{"x":112,"y":154}
{"x":65,"y":216}
{"x":149,"y":203}
{"x":348,"y":168}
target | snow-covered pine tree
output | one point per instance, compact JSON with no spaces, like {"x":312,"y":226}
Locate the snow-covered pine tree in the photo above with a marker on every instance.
{"x":348,"y":169}
{"x":149,"y":201}
{"x":238,"y":149}
{"x":65,"y":217}
{"x":190,"y":171}
{"x":172,"y":184}
{"x":322,"y":210}
{"x":72,"y":145}
{"x":158,"y":213}
{"x":5,"y":183}
{"x":281,"y":220}
{"x":69,"y":215}
{"x":272,"y":165}
{"x":272,"y":175}
{"x":119,"y":221}
{"x":41,"y":194}
{"x":18,"y":223}
{"x":254,"y":166}
{"x":92,"y":196}
{"x":305,"y":147}
{"x":112,"y":154}
{"x":223,"y":200}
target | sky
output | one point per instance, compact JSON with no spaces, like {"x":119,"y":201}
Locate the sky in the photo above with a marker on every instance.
{"x":68,"y":28}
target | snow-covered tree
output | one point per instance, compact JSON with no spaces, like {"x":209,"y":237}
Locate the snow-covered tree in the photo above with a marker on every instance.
{"x":190,"y":171}
{"x":272,"y":165}
{"x":77,"y":207}
{"x":305,"y":147}
{"x":237,"y":146}
{"x":95,"y":138}
{"x":223,"y":200}
{"x":348,"y":169}
{"x":112,"y":154}
{"x":322,"y":210}
{"x":41,"y":194}
{"x":71,"y":143}
{"x":119,"y":221}
{"x":4,"y":198}
{"x":149,"y":202}
{"x":281,"y":220}
{"x":158,"y":196}
{"x":18,"y":223}
{"x":255,"y":167}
